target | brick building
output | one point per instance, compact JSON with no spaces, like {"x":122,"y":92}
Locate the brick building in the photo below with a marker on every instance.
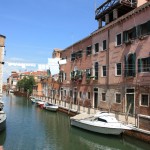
{"x":110,"y":68}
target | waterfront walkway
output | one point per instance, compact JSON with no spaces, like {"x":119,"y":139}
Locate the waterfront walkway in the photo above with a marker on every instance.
{"x":73,"y":109}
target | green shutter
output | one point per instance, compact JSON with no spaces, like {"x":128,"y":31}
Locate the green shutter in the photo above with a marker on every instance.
{"x":134,"y":64}
{"x":148,"y":27}
{"x":125,"y":66}
{"x":134,"y":32}
{"x":149,"y":64}
{"x":125,"y":37}
{"x":138,"y":30}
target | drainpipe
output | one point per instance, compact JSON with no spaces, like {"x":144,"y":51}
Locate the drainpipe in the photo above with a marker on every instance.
{"x":107,"y":68}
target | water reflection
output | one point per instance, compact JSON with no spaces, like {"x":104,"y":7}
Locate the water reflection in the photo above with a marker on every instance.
{"x":31,"y":128}
{"x":2,"y":138}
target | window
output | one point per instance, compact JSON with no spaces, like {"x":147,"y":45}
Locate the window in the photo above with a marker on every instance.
{"x":129,"y":68}
{"x":144,"y":64}
{"x":79,"y":54}
{"x":118,"y":98}
{"x":118,"y":69}
{"x":104,"y":45}
{"x":144,"y":100}
{"x":61,"y":76}
{"x":118,"y":39}
{"x":80,"y":94}
{"x":88,"y":73}
{"x":71,"y":94}
{"x":96,"y":47}
{"x":65,"y":76}
{"x":89,"y":95}
{"x":64,"y":92}
{"x":96,"y":70}
{"x":73,"y":56}
{"x":129,"y":35}
{"x":89,"y":50}
{"x":103,"y":96}
{"x":143,"y":29}
{"x":104,"y":71}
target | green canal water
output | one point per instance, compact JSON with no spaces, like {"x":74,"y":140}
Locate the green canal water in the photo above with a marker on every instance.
{"x":30,"y":128}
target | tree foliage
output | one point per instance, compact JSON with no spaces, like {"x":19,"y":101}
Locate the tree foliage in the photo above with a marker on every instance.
{"x":26,"y":84}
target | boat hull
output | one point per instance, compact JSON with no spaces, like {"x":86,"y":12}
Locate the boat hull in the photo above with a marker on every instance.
{"x":2,"y":121}
{"x":51,"y":108}
{"x":97,"y":129}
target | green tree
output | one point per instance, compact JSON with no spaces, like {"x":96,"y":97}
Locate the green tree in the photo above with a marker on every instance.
{"x":26,"y":84}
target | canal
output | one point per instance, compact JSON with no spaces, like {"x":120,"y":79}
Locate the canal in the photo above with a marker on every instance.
{"x":31,"y":128}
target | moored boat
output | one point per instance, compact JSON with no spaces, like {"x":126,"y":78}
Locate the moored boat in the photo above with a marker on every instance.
{"x":102,"y":122}
{"x":2,"y":120}
{"x":51,"y":107}
{"x":2,"y":116}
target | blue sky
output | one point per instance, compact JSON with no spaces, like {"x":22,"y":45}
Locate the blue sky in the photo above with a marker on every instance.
{"x":33,"y":28}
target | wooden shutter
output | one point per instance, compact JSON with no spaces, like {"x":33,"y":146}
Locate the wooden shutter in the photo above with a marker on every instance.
{"x":125,"y":66}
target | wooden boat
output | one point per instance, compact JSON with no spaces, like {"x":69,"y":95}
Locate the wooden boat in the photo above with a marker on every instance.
{"x":104,"y":123}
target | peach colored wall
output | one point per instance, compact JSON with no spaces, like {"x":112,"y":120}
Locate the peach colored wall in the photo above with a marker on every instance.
{"x":141,"y":2}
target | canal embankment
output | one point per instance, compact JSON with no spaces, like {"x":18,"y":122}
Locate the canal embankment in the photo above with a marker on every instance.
{"x":73,"y":109}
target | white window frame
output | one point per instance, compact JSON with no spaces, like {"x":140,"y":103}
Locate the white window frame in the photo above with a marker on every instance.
{"x":116,"y":69}
{"x":116,"y":39}
{"x":141,"y":99}
{"x":102,"y":71}
{"x":116,"y":97}
{"x":98,"y":48}
{"x":102,"y":96}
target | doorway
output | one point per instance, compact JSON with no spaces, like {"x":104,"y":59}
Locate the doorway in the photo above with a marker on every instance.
{"x":130,"y":101}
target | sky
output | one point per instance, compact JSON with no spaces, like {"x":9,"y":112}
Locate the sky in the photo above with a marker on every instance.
{"x":33,"y":28}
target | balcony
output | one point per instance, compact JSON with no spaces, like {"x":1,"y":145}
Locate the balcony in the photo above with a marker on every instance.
{"x":123,"y":6}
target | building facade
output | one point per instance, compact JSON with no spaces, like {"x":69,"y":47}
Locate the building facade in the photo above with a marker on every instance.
{"x":110,"y":69}
{"x":2,"y":52}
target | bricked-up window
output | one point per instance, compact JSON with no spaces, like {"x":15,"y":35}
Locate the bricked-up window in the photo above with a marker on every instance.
{"x":144,"y":64}
{"x":118,"y":69}
{"x":89,"y":50}
{"x":144,"y":99}
{"x":143,"y":29}
{"x":103,"y":96}
{"x":118,"y":98}
{"x":118,"y":39}
{"x":104,"y":71}
{"x":104,"y":45}
{"x":129,"y":68}
{"x":96,"y":46}
{"x":129,"y":35}
{"x":96,"y":70}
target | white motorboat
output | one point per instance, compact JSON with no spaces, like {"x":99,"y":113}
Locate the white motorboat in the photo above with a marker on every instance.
{"x":51,"y":107}
{"x":2,"y":120}
{"x":1,"y":105}
{"x":102,"y":122}
{"x":2,"y":116}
